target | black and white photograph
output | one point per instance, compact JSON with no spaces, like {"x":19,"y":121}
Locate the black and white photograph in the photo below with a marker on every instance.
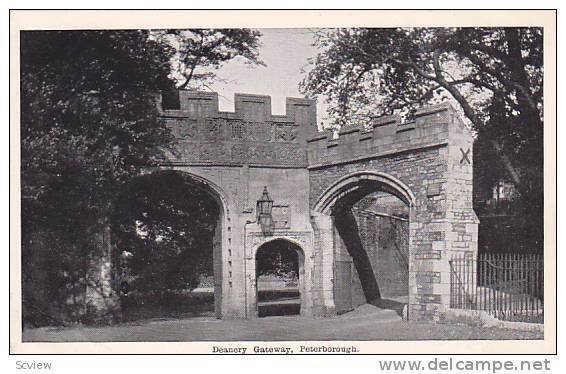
{"x":316,"y":189}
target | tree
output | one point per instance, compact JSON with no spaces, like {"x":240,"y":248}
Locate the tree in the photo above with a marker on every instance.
{"x":87,"y":126}
{"x":89,"y":123}
{"x":494,"y":75}
{"x":199,"y":52}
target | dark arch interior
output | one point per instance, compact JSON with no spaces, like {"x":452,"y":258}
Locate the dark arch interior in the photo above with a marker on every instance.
{"x":166,"y":240}
{"x":371,"y":248}
{"x":278,"y":268}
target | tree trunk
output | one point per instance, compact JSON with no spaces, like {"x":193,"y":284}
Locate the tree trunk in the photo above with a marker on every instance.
{"x":102,"y":301}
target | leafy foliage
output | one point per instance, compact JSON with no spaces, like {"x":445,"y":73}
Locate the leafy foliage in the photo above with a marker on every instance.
{"x":199,"y":52}
{"x":89,"y":123}
{"x":87,"y":126}
{"x":53,"y":279}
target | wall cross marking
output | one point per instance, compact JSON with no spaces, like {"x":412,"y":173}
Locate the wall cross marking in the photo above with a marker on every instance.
{"x":465,"y":156}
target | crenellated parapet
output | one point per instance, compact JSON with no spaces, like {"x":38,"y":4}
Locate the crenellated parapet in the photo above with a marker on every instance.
{"x":387,"y":135}
{"x":249,"y":135}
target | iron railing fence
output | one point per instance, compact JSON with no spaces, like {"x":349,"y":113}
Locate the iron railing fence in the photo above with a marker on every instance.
{"x":509,"y":286}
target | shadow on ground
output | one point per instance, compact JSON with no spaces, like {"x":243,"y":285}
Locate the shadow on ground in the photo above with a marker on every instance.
{"x":279,"y":309}
{"x":278,"y":303}
{"x":365,"y":323}
{"x":390,"y":304}
{"x":170,"y":305}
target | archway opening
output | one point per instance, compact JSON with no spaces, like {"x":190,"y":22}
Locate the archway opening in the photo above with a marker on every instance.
{"x":371,"y":247}
{"x":279,"y":278}
{"x":167,"y":242}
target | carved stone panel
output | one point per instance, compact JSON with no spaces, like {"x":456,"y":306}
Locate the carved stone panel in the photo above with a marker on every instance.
{"x":281,"y":216}
{"x":258,"y":131}
{"x":285,"y":133}
{"x":213,"y":129}
{"x":187,"y":129}
{"x":228,"y":140}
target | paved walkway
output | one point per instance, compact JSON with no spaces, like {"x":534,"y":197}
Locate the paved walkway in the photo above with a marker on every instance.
{"x":365,"y":323}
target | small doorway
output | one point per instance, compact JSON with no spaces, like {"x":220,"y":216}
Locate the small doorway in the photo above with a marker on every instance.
{"x":279,"y":278}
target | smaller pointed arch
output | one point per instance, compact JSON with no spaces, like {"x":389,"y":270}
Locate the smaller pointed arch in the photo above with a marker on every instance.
{"x":359,"y":180}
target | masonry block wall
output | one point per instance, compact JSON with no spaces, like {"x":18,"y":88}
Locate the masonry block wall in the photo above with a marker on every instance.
{"x":386,"y":241}
{"x":251,"y":135}
{"x":380,"y":237}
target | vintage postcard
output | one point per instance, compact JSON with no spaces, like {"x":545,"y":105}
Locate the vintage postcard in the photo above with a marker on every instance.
{"x":283,"y":182}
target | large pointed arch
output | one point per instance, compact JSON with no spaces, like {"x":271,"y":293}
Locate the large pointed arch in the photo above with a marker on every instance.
{"x":199,"y":181}
{"x":218,"y":197}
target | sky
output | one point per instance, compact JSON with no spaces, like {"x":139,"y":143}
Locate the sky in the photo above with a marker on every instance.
{"x":286,"y":53}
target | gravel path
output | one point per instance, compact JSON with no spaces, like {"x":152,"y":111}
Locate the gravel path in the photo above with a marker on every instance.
{"x":365,"y":323}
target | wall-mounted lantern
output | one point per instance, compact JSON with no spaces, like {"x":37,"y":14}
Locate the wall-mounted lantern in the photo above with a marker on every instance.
{"x":263,"y":211}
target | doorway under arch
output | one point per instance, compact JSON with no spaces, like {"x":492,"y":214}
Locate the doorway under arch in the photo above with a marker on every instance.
{"x":280,"y":278}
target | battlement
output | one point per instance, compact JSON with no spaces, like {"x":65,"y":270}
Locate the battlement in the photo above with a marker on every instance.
{"x":253,"y":135}
{"x":431,"y":126}
{"x":248,"y":107}
{"x":249,"y":135}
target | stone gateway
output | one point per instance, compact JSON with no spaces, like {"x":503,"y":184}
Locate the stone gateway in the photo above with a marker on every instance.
{"x":317,"y":182}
